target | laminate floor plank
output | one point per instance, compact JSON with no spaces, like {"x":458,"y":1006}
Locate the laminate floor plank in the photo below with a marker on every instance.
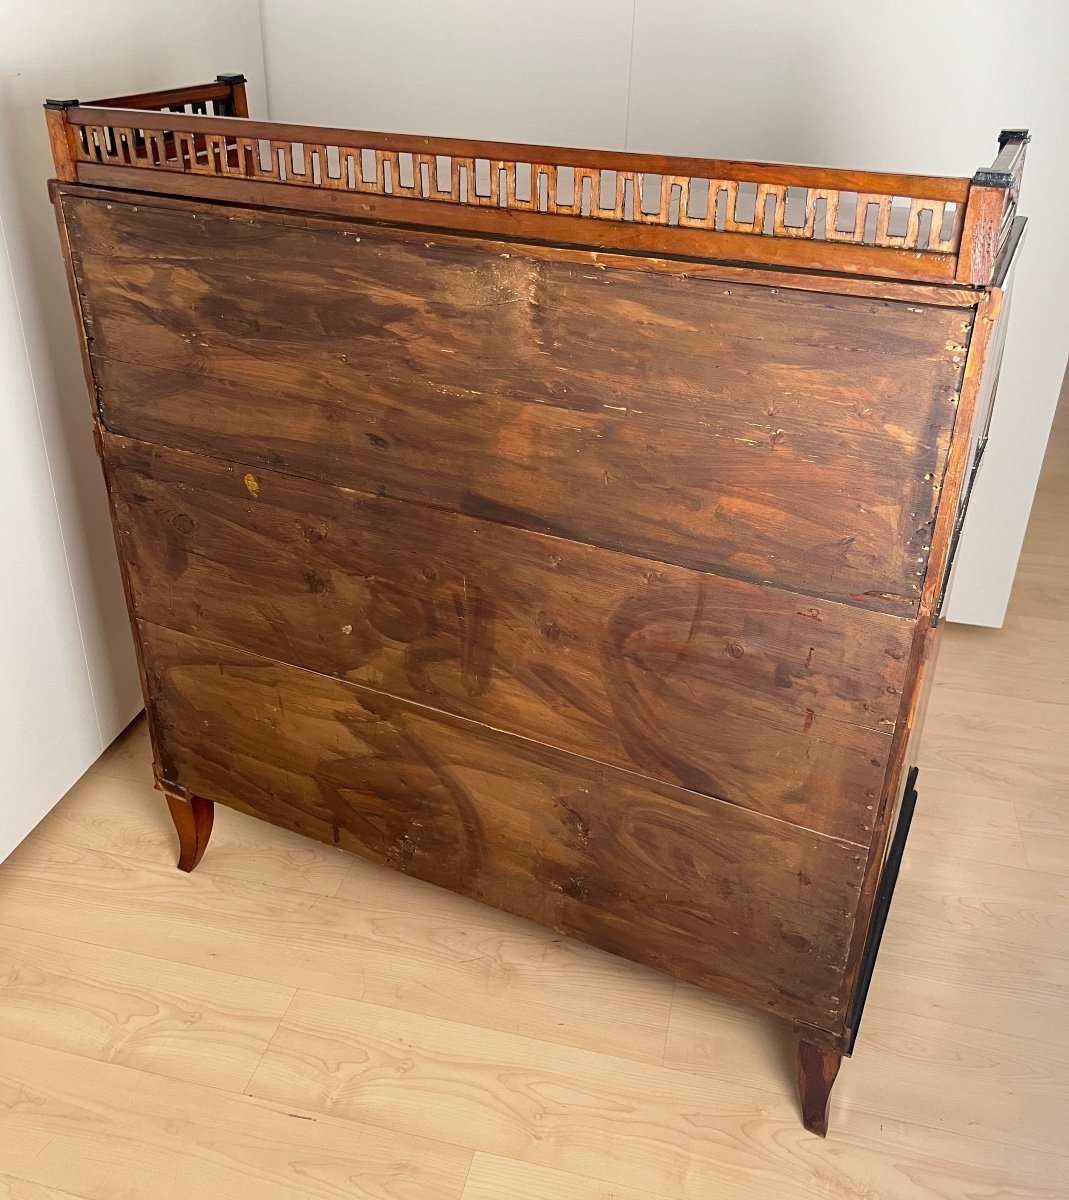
{"x":1014,"y":661}
{"x":1047,"y":852}
{"x":492,"y":1177}
{"x":661,"y":1131}
{"x":183,"y":1022}
{"x":1010,"y":905}
{"x":118,"y":814}
{"x":1040,"y":775}
{"x":129,"y":756}
{"x":431,"y":959}
{"x":905,"y":1174}
{"x":1041,"y":819}
{"x":21,"y":1189}
{"x":1039,"y":588}
{"x":949,"y":1072}
{"x":956,"y":977}
{"x":112,"y":1133}
{"x":1010,"y":728}
{"x":942,"y":1072}
{"x":960,"y":823}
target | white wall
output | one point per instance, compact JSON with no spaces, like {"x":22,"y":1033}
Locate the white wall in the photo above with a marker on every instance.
{"x":48,"y":727}
{"x":921,"y":85}
{"x":68,"y":683}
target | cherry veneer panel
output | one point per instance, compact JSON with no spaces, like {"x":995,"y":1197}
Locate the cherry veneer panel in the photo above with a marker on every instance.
{"x":763,"y":697}
{"x":701,"y":889}
{"x":783,"y":436}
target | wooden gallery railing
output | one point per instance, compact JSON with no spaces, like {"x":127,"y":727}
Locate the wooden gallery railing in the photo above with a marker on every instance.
{"x":199,"y":141}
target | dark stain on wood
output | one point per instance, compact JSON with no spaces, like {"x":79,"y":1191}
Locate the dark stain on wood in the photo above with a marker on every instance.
{"x":777,"y":436}
{"x":521,"y":826}
{"x":707,"y":682}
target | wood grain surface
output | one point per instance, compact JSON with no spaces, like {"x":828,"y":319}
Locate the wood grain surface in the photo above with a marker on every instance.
{"x":21,"y":1189}
{"x":492,"y":1177}
{"x":564,"y":1108}
{"x":742,"y":450}
{"x":385,"y":939}
{"x":701,"y":889}
{"x":765,"y":698}
{"x":116,"y":814}
{"x":720,"y":450}
{"x":726,"y":272}
{"x":114,"y":1006}
{"x":868,"y":265}
{"x":170,"y":1140}
{"x":622,"y":1084}
{"x":769,"y":434}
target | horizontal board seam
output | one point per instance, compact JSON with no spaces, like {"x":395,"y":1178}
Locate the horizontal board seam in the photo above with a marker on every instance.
{"x":941,"y":295}
{"x":722,"y":572}
{"x":683,"y":793}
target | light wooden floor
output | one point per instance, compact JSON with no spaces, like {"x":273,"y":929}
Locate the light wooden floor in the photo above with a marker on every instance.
{"x":289,"y":1022}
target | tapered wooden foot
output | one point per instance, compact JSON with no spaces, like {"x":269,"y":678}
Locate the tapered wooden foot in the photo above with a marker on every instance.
{"x":193,"y":820}
{"x":817,"y":1069}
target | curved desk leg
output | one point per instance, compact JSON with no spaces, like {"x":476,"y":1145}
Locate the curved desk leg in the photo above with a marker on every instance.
{"x":817,"y":1069}
{"x":193,"y":820}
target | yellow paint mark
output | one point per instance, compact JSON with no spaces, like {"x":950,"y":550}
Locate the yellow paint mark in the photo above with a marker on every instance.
{"x":252,"y":485}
